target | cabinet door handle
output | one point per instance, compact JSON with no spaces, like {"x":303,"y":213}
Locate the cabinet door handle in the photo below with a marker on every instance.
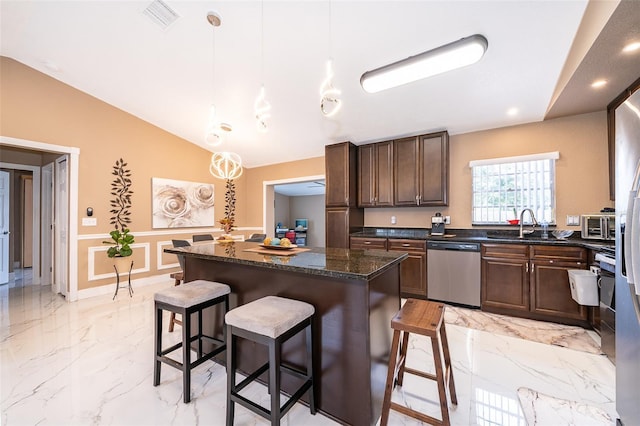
{"x":527,"y":268}
{"x":367,"y":242}
{"x":551,"y":261}
{"x":406,"y":245}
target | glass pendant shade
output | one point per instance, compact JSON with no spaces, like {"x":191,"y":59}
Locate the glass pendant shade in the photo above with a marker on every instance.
{"x":213,"y":136}
{"x":225,"y":165}
{"x":261,"y":108}
{"x":330,"y":102}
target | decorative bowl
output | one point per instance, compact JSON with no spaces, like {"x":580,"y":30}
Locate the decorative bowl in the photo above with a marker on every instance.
{"x":514,"y":221}
{"x":562,"y":234}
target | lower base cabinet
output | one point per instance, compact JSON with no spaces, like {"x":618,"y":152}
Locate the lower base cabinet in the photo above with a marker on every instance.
{"x":413,"y":270}
{"x":532,"y":282}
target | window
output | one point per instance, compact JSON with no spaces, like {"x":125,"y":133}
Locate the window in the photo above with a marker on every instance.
{"x":503,"y":187}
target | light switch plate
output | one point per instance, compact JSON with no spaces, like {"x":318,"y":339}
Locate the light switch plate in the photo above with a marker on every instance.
{"x":89,"y":221}
{"x":573,"y":220}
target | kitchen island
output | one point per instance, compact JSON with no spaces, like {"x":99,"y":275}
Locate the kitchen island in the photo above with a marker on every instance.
{"x":355,"y":294}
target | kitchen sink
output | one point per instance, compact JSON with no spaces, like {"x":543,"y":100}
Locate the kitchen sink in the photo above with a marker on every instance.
{"x":527,"y":237}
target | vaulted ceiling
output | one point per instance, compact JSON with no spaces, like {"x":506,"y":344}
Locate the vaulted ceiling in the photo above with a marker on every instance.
{"x":541,"y":60}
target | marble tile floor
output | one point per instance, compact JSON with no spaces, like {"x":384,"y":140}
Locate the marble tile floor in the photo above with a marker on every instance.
{"x":91,"y":363}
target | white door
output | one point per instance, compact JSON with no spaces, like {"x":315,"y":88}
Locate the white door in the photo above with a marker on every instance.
{"x":46,"y":226}
{"x":61,"y":225}
{"x":4,"y":227}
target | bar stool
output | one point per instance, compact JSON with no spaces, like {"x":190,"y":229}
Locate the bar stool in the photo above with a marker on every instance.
{"x":269,"y":321}
{"x":425,"y":318}
{"x":186,"y":299}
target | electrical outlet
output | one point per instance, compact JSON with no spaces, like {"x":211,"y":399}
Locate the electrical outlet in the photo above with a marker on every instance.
{"x":573,"y":220}
{"x":447,"y":220}
{"x":393,"y":220}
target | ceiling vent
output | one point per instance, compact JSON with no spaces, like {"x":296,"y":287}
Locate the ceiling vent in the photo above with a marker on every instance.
{"x":161,"y":14}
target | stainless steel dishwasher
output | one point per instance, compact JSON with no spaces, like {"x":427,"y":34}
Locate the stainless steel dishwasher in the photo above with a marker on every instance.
{"x":453,"y":272}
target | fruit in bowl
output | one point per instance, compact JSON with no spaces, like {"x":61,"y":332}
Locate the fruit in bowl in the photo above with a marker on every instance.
{"x":285,"y":242}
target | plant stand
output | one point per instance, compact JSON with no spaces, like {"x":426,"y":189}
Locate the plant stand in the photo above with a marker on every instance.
{"x":122,"y":262}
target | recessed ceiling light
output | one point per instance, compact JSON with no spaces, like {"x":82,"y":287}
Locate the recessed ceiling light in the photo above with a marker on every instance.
{"x":598,"y":84}
{"x":512,"y":111}
{"x":631,"y":47}
{"x":52,"y":66}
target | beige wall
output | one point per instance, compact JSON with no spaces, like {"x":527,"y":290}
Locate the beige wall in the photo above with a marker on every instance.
{"x":38,"y":108}
{"x":253,"y":185}
{"x":581,"y":172}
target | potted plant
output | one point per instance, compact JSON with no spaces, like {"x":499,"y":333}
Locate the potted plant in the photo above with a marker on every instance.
{"x":121,"y":237}
{"x":120,"y":243}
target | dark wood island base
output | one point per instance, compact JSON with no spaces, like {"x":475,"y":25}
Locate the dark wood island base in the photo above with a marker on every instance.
{"x":355,"y":294}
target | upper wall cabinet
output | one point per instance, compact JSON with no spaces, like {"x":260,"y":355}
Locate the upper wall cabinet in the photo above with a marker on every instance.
{"x":340,"y":173}
{"x":375,"y":175}
{"x":421,"y":170}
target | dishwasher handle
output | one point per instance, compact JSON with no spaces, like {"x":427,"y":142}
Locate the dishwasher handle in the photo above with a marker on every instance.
{"x":451,"y":245}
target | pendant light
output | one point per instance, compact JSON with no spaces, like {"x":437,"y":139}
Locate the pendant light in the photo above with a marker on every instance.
{"x":261,"y":106}
{"x":330,"y":103}
{"x":215,"y":129}
{"x":225,"y":165}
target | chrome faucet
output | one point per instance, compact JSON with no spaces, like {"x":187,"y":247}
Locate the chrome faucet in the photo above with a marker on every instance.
{"x":533,"y":219}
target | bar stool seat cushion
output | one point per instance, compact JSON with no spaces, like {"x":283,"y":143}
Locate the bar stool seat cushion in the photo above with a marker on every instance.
{"x":192,"y":293}
{"x":269,"y":316}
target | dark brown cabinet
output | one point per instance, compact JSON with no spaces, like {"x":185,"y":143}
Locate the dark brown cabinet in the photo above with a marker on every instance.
{"x":342,"y":217}
{"x":505,"y":277}
{"x":340,"y":174}
{"x":413,"y":270}
{"x":375,"y":175}
{"x":421,"y":170}
{"x":532,"y":281}
{"x":368,"y":243}
{"x":550,"y":291}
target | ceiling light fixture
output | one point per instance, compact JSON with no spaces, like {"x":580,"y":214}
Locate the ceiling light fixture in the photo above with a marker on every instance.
{"x":261,"y":106}
{"x":512,"y":112}
{"x":226,"y":165}
{"x":330,"y":102}
{"x":599,"y":83}
{"x":457,"y":54}
{"x":631,"y":47}
{"x":215,"y":130}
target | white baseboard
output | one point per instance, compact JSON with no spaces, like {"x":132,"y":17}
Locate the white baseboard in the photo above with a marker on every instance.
{"x":111,"y":288}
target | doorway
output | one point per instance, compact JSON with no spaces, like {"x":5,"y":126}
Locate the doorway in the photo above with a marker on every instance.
{"x":67,"y":164}
{"x":294,"y":187}
{"x":25,"y":180}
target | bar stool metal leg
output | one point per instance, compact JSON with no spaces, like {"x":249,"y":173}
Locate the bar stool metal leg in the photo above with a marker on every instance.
{"x":186,"y":356}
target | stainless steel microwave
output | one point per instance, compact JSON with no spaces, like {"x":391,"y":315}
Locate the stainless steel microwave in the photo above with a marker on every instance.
{"x":599,"y":226}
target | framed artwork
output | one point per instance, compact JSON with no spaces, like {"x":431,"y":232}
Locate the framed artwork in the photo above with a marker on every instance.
{"x":182,"y":204}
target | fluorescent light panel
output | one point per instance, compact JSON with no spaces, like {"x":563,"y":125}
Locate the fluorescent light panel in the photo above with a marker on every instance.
{"x":457,"y":54}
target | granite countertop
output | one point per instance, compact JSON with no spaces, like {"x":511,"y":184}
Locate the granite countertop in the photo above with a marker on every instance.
{"x":481,"y":236}
{"x":332,"y":262}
